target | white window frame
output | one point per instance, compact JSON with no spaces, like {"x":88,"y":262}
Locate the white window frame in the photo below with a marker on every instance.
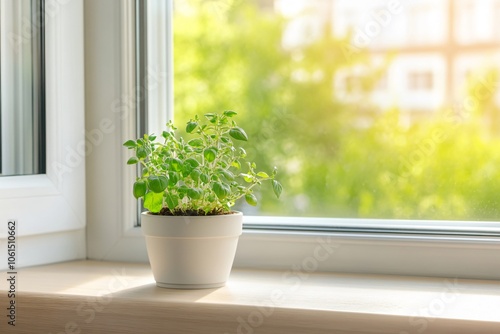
{"x":50,"y":208}
{"x":112,"y":234}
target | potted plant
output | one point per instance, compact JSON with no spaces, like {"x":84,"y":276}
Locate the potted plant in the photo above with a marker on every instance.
{"x":189,"y":187}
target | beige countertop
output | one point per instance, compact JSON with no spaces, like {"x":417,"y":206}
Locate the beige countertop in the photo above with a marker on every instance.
{"x":113,"y":297}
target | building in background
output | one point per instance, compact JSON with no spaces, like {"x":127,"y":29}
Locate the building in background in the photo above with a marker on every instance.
{"x":438,"y":45}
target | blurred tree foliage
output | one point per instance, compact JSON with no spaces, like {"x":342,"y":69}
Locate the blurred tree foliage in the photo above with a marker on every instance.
{"x":337,"y":157}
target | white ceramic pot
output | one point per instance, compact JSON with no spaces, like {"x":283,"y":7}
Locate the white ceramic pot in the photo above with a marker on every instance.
{"x":191,"y":252}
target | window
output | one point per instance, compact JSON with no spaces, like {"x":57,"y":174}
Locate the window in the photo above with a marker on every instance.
{"x":117,"y":95}
{"x":475,"y":21}
{"x":388,"y":194}
{"x":309,"y":129}
{"x":22,"y":111}
{"x":418,"y":81}
{"x":49,"y":208}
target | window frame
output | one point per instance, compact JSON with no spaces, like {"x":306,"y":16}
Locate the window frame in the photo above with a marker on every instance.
{"x":50,"y":208}
{"x":382,"y":251}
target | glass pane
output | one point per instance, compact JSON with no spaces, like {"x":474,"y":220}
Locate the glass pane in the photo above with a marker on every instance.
{"x":22,"y":121}
{"x":370,"y":109}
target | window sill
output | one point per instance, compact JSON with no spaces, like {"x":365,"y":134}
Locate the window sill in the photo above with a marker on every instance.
{"x":114,"y":297}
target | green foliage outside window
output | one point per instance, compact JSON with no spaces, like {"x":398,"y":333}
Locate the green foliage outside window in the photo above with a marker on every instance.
{"x":336,"y":158}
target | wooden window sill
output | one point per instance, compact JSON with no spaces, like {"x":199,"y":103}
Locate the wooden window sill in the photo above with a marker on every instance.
{"x":113,"y":297}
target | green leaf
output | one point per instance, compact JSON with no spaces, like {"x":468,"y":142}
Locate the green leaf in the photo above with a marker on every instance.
{"x":132,"y":161}
{"x":236,"y":164}
{"x":171,"y":200}
{"x":171,"y":125}
{"x":238,"y":133}
{"x":277,"y":188}
{"x":197,"y":142}
{"x":195,"y":174}
{"x":194,"y":193}
{"x":152,"y":137}
{"x":211,"y":117}
{"x":157,"y":184}
{"x":130,"y":144}
{"x":227,"y":174}
{"x":251,"y":199}
{"x":230,"y":113}
{"x":139,"y":189}
{"x":263,"y":174}
{"x":204,"y":178}
{"x":221,"y":190}
{"x":192,"y":162}
{"x":209,"y":154}
{"x":187,"y":170}
{"x":153,"y":202}
{"x":176,"y":164}
{"x":247,"y":177}
{"x":191,"y":126}
{"x":182,"y":190}
{"x":141,"y":153}
{"x":173,"y":178}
